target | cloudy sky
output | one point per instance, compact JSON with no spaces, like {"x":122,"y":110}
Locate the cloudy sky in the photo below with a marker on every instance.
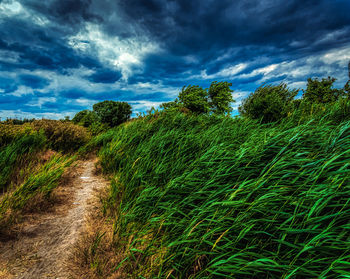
{"x":58,"y":57}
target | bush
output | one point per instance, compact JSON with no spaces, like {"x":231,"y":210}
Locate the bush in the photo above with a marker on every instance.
{"x":268,"y":103}
{"x":97,"y":128}
{"x":322,"y":91}
{"x":85,"y":118}
{"x":9,"y":133}
{"x":112,"y":113}
{"x":62,"y":136}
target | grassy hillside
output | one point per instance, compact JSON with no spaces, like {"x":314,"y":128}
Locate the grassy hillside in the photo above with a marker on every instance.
{"x":211,"y":197}
{"x":33,"y":158}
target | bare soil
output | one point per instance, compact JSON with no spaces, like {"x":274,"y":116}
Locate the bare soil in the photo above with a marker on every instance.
{"x":45,"y":241}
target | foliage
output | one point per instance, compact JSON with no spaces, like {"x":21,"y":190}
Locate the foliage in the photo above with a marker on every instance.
{"x":85,"y":118}
{"x":10,"y":132}
{"x":194,"y":98}
{"x":171,"y":106}
{"x":322,"y":91}
{"x":62,"y":136}
{"x":220,"y":97}
{"x":15,"y":121}
{"x":97,"y":128}
{"x":268,"y":103}
{"x":347,"y":89}
{"x":112,"y":113}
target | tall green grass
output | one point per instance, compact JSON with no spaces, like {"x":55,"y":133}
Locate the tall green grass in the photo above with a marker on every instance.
{"x":40,"y":182}
{"x":20,"y":149}
{"x":206,"y":197}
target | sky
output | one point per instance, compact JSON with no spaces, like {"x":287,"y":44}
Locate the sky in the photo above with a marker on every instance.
{"x":58,"y":57}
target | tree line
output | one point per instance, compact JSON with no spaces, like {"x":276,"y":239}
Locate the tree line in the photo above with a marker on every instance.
{"x":268,"y":103}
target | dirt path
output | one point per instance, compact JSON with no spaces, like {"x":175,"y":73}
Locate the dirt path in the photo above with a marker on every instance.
{"x":45,"y":243}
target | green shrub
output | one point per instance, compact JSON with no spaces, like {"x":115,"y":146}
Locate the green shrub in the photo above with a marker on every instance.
{"x":268,"y":103}
{"x":322,"y":91}
{"x":112,"y":113}
{"x":9,"y":132}
{"x":193,"y":98}
{"x":63,"y":136}
{"x":85,"y":118}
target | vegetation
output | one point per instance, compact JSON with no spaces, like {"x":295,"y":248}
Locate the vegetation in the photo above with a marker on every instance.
{"x":220,"y":97}
{"x":62,"y":136}
{"x":16,"y":153}
{"x":194,"y":98}
{"x":196,"y":194}
{"x":211,"y":197}
{"x":105,"y":115}
{"x":322,"y":91}
{"x":30,"y":167}
{"x":85,"y":118}
{"x":268,"y":103}
{"x":216,"y":99}
{"x":39,"y":183}
{"x":112,"y":113}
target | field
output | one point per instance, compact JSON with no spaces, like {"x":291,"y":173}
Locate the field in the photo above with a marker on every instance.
{"x":198,"y":196}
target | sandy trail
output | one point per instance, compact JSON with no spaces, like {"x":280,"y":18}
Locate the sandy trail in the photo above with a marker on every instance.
{"x":44,"y":246}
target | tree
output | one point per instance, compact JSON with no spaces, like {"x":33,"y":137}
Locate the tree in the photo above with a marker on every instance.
{"x":112,"y":113}
{"x":268,"y":103}
{"x":322,"y":91}
{"x":173,"y":105}
{"x":194,"y":98}
{"x":347,"y":88}
{"x":220,"y":97}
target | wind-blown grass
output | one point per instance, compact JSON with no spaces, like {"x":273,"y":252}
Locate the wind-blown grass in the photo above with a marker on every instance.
{"x":18,"y":150}
{"x":40,"y":182}
{"x":205,"y":197}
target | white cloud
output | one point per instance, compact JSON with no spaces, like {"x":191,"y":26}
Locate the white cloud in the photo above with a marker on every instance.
{"x":125,"y":55}
{"x":230,"y":71}
{"x":40,"y":101}
{"x":331,"y":63}
{"x":142,"y":106}
{"x":12,"y":8}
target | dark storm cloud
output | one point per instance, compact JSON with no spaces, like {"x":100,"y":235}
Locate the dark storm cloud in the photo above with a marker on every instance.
{"x":105,"y":76}
{"x":189,"y":26}
{"x":64,"y":12}
{"x":39,"y":49}
{"x":196,"y":42}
